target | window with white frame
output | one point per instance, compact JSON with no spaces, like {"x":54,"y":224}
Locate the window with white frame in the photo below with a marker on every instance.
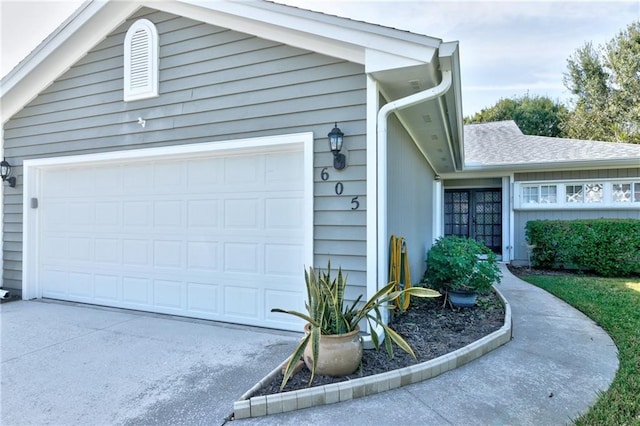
{"x":539,"y":194}
{"x":577,"y":194}
{"x":584,"y":193}
{"x":626,"y":192}
{"x":141,"y":61}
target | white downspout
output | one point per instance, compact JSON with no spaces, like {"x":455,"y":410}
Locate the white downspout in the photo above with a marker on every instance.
{"x":381,"y":146}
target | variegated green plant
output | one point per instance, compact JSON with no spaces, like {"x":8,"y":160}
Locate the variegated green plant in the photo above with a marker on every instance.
{"x":328,"y":314}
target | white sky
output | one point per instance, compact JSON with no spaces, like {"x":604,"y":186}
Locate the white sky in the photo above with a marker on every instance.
{"x":507,"y":48}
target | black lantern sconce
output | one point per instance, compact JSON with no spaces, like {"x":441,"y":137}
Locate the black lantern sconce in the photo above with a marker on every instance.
{"x":5,"y":173}
{"x":336,"y":138}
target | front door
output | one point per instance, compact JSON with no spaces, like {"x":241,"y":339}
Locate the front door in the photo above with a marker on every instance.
{"x":475,"y":213}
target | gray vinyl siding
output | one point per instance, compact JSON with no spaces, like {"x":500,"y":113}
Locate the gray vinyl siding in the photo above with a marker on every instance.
{"x":473,"y":183}
{"x":215,"y":85}
{"x":410,"y":196}
{"x":521,"y":217}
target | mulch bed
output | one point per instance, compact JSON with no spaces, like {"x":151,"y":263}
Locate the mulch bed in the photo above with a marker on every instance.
{"x":430,"y":328}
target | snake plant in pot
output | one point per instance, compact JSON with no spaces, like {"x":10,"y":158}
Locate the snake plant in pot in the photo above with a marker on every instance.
{"x":461,"y":267}
{"x":330,"y":320}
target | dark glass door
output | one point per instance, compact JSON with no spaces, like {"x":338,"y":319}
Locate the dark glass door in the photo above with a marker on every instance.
{"x":475,"y":213}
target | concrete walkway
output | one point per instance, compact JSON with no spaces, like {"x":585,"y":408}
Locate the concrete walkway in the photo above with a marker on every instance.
{"x":68,"y":364}
{"x":547,"y":375}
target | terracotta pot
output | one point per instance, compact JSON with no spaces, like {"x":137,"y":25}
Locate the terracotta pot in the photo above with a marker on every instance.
{"x":338,"y":355}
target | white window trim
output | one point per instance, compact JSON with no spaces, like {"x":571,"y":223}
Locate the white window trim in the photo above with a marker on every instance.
{"x":150,"y":89}
{"x":561,"y":203}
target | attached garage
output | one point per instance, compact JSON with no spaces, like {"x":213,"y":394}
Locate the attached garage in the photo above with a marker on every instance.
{"x":219,"y":231}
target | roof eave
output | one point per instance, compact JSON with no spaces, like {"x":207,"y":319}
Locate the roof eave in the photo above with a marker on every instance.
{"x":559,"y":165}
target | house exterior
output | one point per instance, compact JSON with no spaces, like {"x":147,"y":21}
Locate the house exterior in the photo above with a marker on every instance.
{"x":510,"y":178}
{"x":172,"y":157}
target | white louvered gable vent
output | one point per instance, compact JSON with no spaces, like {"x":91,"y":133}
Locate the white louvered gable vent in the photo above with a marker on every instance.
{"x":141,"y":61}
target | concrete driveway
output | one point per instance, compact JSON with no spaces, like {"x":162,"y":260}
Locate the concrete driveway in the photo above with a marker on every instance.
{"x":69,"y":364}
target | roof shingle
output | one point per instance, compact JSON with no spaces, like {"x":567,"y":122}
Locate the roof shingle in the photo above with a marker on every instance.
{"x":502,"y":143}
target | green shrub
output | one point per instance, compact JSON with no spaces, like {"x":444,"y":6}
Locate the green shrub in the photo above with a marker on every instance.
{"x":609,"y":247}
{"x":457,"y":263}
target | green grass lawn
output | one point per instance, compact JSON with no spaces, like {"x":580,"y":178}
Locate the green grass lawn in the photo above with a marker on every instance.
{"x":614,"y":304}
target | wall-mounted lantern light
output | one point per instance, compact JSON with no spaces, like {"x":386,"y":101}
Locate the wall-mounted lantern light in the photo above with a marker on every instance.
{"x":336,"y":138}
{"x":5,"y":173}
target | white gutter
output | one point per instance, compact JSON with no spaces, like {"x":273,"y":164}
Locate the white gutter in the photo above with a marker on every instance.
{"x":381,"y":146}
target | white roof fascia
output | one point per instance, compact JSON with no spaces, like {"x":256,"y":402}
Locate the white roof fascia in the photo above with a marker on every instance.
{"x":366,"y":35}
{"x":560,"y":165}
{"x":89,"y":25}
{"x":350,"y":40}
{"x":449,"y":57}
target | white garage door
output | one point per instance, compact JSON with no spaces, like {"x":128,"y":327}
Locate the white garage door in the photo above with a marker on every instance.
{"x":217,"y":236}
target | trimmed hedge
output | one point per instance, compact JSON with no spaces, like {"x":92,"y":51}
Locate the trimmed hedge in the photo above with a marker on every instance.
{"x":609,"y":247}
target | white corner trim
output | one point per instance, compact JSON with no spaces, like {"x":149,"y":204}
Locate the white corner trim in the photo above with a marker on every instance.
{"x":32,"y":187}
{"x":438,"y":209}
{"x":373,"y":272}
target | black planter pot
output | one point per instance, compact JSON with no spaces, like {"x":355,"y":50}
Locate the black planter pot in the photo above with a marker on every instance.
{"x":462,"y":299}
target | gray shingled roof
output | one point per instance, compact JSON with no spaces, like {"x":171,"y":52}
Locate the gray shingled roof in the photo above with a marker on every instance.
{"x":502,"y":143}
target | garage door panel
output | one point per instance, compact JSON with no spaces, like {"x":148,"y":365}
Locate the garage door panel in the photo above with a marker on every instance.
{"x":107,"y":213}
{"x":222,"y":238}
{"x":203,"y":214}
{"x":107,"y":250}
{"x":242,"y":213}
{"x":203,"y":175}
{"x":203,"y":255}
{"x":168,"y":213}
{"x":137,"y":178}
{"x":284,"y":300}
{"x":284,"y":213}
{"x":203,"y":298}
{"x":107,"y":288}
{"x":136,"y":252}
{"x":241,"y":257}
{"x":80,"y":285}
{"x":55,"y":215}
{"x":284,"y":170}
{"x":136,"y":292}
{"x":82,"y":184}
{"x":81,"y":249}
{"x":243,"y":171}
{"x":56,"y":283}
{"x":168,"y":294}
{"x":53,"y":248}
{"x":167,"y":254}
{"x":136,"y":214}
{"x":283,"y":259}
{"x":242,"y":303}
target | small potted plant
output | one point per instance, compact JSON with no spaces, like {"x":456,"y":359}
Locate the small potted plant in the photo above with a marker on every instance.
{"x":461,"y":267}
{"x":332,"y":345}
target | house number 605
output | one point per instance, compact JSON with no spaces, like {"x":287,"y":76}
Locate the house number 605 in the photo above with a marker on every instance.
{"x":339,"y":189}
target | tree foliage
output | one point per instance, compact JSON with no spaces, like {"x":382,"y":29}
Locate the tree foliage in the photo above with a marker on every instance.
{"x":606,"y":83}
{"x":534,"y":115}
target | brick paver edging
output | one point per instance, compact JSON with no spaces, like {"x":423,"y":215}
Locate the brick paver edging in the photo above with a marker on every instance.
{"x":258,"y":406}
